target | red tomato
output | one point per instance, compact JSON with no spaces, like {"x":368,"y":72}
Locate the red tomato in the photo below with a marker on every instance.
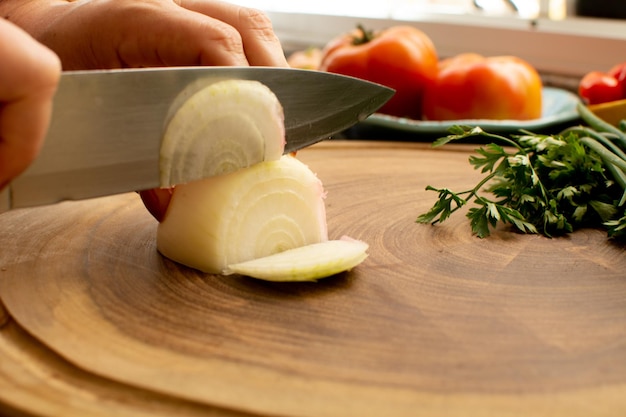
{"x":400,"y":57}
{"x":619,"y":73}
{"x":470,"y":86}
{"x":599,"y":87}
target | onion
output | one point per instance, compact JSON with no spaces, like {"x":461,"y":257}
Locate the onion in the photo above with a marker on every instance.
{"x":306,"y":263}
{"x":248,"y":214}
{"x":223,"y":127}
{"x":256,"y":212}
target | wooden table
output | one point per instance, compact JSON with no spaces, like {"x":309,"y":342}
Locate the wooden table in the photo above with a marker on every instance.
{"x":436,"y":322}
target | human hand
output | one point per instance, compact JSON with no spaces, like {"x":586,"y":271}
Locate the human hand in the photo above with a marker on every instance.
{"x":29,"y":73}
{"x":90,"y":34}
{"x":149,"y":33}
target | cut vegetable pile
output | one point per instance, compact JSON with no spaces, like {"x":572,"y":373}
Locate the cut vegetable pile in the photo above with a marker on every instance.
{"x":258,"y":213}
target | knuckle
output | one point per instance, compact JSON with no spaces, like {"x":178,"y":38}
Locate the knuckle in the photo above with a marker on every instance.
{"x":229,"y":38}
{"x":256,"y":21}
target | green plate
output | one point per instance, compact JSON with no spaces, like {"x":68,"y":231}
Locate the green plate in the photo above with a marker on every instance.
{"x":559,"y":106}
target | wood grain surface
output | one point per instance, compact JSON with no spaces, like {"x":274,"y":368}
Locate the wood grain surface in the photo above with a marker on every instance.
{"x":435,"y":322}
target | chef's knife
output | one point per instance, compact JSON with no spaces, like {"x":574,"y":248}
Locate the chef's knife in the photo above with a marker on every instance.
{"x":106,"y":128}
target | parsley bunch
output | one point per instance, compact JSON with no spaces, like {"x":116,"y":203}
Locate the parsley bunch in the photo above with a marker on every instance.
{"x":548,"y":184}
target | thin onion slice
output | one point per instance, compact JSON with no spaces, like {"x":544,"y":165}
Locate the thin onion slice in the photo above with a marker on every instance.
{"x":223,"y":127}
{"x":251,"y":213}
{"x":306,"y":263}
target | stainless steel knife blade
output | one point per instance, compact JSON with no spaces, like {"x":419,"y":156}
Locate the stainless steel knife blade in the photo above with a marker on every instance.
{"x":107,"y":126}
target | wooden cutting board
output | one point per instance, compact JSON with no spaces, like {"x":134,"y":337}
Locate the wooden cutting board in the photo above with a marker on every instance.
{"x":435,"y":322}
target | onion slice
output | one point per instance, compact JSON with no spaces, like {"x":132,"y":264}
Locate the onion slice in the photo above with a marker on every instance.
{"x":251,"y":213}
{"x":223,"y":127}
{"x":306,"y":263}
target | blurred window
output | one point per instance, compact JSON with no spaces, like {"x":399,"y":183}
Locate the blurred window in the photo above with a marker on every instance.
{"x":555,"y":9}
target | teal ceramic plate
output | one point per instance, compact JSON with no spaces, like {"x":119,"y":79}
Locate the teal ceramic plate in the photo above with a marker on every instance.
{"x":559,"y":106}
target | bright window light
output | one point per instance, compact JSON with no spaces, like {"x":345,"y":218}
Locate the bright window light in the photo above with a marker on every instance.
{"x":395,"y":8}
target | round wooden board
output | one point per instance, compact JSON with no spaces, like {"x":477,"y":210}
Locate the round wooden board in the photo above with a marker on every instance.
{"x":435,"y":321}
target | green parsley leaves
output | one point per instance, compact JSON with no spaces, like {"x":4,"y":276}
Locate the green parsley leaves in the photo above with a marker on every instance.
{"x":548,"y":184}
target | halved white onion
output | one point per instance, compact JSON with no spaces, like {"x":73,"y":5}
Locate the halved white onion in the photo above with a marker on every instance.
{"x":251,"y":213}
{"x":256,"y":212}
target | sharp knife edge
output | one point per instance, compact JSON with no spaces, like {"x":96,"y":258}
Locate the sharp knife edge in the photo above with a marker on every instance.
{"x":71,"y":163}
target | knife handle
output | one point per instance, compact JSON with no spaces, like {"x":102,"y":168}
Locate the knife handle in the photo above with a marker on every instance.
{"x":5,"y":199}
